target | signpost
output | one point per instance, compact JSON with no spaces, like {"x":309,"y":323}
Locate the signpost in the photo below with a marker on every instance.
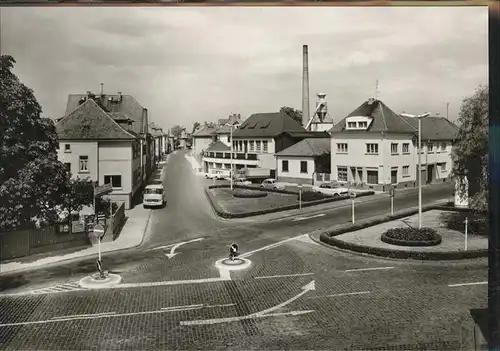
{"x":392,"y":192}
{"x":103,"y":190}
{"x":233,"y":251}
{"x":466,"y":221}
{"x":353,"y":196}
{"x":300,"y":196}
{"x":98,"y":233}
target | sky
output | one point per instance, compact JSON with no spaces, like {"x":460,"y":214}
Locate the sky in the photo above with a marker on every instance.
{"x":188,"y":64}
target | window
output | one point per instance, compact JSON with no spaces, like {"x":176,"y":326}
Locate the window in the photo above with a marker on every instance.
{"x":394,"y":149}
{"x":228,"y":138}
{"x":67,"y":147}
{"x":327,"y":177}
{"x":227,"y":166}
{"x":362,"y":124}
{"x":406,"y":148}
{"x":240,"y":146}
{"x":252,"y":146}
{"x":443,"y":147}
{"x":351,"y":124}
{"x":68,"y":166}
{"x":342,"y":148}
{"x":430,"y":147}
{"x":406,"y":171}
{"x":303,"y":166}
{"x":342,"y":174}
{"x":84,"y":163}
{"x":257,"y":145}
{"x":394,"y":175}
{"x":115,"y":180}
{"x":218,"y":165}
{"x":284,"y":166}
{"x":443,"y":167}
{"x":264,"y":145}
{"x":371,"y":177}
{"x":372,"y":149}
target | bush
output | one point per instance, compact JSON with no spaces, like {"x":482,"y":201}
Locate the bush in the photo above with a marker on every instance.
{"x":312,"y":196}
{"x":245,"y":193}
{"x":411,"y":237}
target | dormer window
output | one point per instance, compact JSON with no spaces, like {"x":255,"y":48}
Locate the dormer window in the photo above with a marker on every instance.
{"x":351,"y":125}
{"x":358,"y":123}
{"x":362,"y":125}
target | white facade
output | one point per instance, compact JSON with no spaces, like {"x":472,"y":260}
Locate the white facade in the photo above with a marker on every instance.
{"x":295,"y":169}
{"x":384,"y":159}
{"x":263,"y":148}
{"x":105,"y":161}
{"x":201,"y":143}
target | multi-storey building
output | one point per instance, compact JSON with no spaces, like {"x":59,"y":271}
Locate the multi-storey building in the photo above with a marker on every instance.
{"x":373,"y":147}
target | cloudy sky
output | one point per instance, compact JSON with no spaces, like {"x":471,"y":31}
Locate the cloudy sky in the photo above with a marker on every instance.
{"x":203,"y":63}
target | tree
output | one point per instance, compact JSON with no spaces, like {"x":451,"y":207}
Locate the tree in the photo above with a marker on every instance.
{"x":196,"y":126}
{"x":210,"y":125}
{"x":176,"y":131}
{"x":295,"y":114}
{"x":32,"y":180}
{"x":470,"y":151}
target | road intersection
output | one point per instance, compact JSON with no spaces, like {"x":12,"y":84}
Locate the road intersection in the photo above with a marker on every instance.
{"x":295,"y":293}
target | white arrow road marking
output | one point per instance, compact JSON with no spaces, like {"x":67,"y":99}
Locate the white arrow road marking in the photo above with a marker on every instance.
{"x":310,"y":217}
{"x":176,"y":246}
{"x":339,"y":295}
{"x":265,"y":313}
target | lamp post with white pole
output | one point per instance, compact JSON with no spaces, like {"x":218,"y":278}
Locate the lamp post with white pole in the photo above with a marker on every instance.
{"x":232,"y":144}
{"x":419,"y":162}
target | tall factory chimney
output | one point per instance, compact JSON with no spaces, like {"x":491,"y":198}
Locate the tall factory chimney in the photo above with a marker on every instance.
{"x":305,"y":86}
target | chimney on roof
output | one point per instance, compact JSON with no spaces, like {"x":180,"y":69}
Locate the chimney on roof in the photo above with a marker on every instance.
{"x":102,"y":88}
{"x":119,"y":96}
{"x":305,"y":85}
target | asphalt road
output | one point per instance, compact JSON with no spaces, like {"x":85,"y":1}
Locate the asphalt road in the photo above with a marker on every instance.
{"x":296,"y":293}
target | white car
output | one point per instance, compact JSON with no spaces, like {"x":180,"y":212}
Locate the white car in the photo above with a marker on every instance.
{"x":272,"y":184}
{"x":331,"y":189}
{"x":154,"y":196}
{"x":215,"y":175}
{"x":242,"y":181}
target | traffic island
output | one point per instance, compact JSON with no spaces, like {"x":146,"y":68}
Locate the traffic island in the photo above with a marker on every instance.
{"x":366,"y":237}
{"x":226,"y":205}
{"x":237,"y":264}
{"x":98,"y":281}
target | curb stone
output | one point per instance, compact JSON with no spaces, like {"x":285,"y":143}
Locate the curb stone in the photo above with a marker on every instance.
{"x":227,"y":215}
{"x":328,"y":238}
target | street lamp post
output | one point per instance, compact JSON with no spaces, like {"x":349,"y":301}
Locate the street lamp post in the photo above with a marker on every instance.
{"x":419,"y":163}
{"x":232,"y":144}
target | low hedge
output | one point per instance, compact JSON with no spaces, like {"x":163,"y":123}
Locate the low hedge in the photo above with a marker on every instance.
{"x":312,"y":196}
{"x":411,"y":237}
{"x":248,"y":194}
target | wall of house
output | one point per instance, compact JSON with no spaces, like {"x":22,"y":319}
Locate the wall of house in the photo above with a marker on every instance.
{"x":266,"y":158}
{"x":200,"y":144}
{"x":437,"y":156}
{"x":77,"y":149}
{"x":115,"y":158}
{"x":225,"y":138}
{"x":294,"y":175}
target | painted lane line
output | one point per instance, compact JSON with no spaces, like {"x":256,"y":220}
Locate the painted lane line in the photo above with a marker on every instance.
{"x":166,"y":283}
{"x":265,"y":313}
{"x":182,"y":308}
{"x":224,"y":273}
{"x":83,"y":315}
{"x":224,"y":305}
{"x":176,"y":246}
{"x":465,"y":284}
{"x":310,"y":217}
{"x":368,"y":269}
{"x":86,"y":318}
{"x":342,"y":294}
{"x":272,"y":246}
{"x":283,"y":276}
{"x":237,"y":319}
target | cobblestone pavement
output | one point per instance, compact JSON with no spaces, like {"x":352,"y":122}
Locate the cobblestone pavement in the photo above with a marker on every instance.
{"x":296,"y":294}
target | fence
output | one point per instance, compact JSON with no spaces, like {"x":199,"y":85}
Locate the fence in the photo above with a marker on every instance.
{"x":31,"y":240}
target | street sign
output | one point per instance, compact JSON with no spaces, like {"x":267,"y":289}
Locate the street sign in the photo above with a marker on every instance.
{"x":233,"y":251}
{"x":392,"y":192}
{"x":98,"y":230}
{"x":103,"y":189}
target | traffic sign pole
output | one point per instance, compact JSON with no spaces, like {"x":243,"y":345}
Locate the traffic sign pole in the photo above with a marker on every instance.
{"x":300,"y":196}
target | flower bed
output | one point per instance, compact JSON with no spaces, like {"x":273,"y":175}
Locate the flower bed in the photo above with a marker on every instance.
{"x":411,"y":237}
{"x":249,"y":194}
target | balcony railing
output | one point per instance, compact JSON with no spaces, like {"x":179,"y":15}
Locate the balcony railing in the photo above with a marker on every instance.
{"x":236,"y":156}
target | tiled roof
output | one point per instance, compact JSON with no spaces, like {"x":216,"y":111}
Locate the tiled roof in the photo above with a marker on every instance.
{"x":204,"y":132}
{"x":111,"y":103}
{"x":89,"y":121}
{"x":308,"y":134}
{"x":267,"y":125}
{"x":308,"y":147}
{"x":434,"y":128}
{"x":218,"y":146}
{"x":384,"y":119}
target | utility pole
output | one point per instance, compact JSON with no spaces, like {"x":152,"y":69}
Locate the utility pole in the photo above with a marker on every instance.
{"x":447,"y":108}
{"x":232,"y":150}
{"x":419,"y":163}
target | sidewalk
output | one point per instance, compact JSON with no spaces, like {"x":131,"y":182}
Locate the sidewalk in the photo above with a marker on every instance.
{"x":197,"y":169}
{"x":131,"y":236}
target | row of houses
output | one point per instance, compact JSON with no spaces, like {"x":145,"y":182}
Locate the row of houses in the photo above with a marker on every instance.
{"x":372,"y":147}
{"x":109,"y":139}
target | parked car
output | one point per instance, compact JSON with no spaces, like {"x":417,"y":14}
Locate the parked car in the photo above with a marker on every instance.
{"x":271,"y":183}
{"x":242,"y":181}
{"x":154,"y":196}
{"x":331,"y":189}
{"x":216,"y":175}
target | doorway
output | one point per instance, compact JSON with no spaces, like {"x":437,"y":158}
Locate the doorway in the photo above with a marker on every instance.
{"x":394,"y":176}
{"x":430,"y":173}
